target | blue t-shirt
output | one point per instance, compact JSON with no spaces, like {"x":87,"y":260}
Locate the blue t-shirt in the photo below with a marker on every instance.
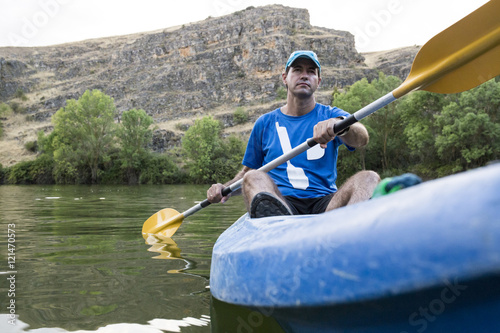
{"x":309,"y":175}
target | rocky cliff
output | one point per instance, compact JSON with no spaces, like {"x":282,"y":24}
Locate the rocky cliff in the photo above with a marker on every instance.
{"x":180,"y":73}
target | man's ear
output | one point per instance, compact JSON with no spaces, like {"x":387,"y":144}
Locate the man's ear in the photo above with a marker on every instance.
{"x":283,"y":78}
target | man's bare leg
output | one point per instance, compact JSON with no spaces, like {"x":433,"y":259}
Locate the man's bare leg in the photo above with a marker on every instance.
{"x":256,"y":181}
{"x":356,"y":189}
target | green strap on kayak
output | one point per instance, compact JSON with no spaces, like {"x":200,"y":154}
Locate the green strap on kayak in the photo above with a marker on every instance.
{"x":394,"y":184}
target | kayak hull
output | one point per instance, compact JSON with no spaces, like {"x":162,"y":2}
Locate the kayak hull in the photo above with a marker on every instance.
{"x":435,"y":245}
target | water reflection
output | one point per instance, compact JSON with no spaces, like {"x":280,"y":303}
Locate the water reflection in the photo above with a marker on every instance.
{"x":168,"y":249}
{"x":83,"y":266}
{"x":224,"y":317}
{"x":165,"y":246}
{"x":153,"y":326}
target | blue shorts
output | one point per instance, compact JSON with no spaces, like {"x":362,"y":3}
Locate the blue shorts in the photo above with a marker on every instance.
{"x":303,"y":206}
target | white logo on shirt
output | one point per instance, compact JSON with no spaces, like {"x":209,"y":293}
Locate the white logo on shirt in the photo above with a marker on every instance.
{"x":297,"y":176}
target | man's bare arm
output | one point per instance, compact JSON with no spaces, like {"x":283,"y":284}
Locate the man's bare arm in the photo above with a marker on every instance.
{"x":214,"y":193}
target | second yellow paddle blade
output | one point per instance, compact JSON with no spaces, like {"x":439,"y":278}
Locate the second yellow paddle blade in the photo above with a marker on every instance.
{"x":460,"y":57}
{"x":164,"y":223}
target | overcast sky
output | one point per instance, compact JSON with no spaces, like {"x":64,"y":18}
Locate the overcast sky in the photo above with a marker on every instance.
{"x":377,"y":24}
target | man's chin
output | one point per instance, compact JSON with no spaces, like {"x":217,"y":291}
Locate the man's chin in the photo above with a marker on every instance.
{"x":303,"y":94}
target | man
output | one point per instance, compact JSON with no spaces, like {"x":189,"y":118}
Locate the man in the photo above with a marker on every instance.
{"x":306,"y":183}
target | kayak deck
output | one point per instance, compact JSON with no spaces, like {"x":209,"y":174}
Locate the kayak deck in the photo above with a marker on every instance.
{"x":427,"y":237}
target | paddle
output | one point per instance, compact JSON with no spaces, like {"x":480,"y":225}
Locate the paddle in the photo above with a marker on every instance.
{"x":457,"y":59}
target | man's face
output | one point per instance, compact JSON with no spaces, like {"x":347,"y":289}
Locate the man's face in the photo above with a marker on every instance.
{"x":302,"y":79}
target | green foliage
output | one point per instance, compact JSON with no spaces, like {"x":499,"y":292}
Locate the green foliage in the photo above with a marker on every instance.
{"x":384,"y":152}
{"x":98,"y":310}
{"x":181,"y":127}
{"x":417,"y":112}
{"x":281,"y":93}
{"x":20,"y":94}
{"x":45,"y":143}
{"x":31,"y":146}
{"x":134,"y":135}
{"x":357,"y":96}
{"x":160,"y":169}
{"x":469,"y":130}
{"x":16,"y":108}
{"x":202,"y":144}
{"x":84,"y":133}
{"x":19,"y":173}
{"x":228,"y":163}
{"x":240,"y":116}
{"x":5,"y":111}
{"x":38,"y":171}
{"x":210,"y":158}
{"x":430,"y":134}
{"x":2,"y":174}
{"x":87,"y":146}
{"x":41,"y":172}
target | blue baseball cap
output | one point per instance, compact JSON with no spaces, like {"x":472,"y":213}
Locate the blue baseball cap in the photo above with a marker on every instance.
{"x":303,"y":54}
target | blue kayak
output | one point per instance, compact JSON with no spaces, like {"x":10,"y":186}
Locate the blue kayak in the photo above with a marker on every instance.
{"x":426,"y":258}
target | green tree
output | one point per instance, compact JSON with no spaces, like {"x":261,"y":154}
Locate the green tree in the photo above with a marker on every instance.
{"x":84,"y":133}
{"x":469,"y":130}
{"x":386,"y":130}
{"x":202,"y":145}
{"x":45,"y":143}
{"x":417,"y":111}
{"x":5,"y":110}
{"x":384,"y":150}
{"x":228,"y":163}
{"x":211,"y":158}
{"x":134,"y":134}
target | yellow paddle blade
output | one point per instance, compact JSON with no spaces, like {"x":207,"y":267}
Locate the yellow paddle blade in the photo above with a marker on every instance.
{"x":459,"y":58}
{"x":164,"y":223}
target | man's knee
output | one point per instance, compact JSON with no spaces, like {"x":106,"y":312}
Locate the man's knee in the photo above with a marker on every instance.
{"x":253,"y":176}
{"x":368,"y":176}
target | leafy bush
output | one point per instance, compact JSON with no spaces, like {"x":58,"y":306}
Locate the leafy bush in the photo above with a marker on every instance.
{"x":160,"y":169}
{"x":16,"y":108}
{"x":210,"y":158}
{"x":20,"y":94}
{"x":2,"y":174}
{"x":240,"y":116}
{"x":31,"y":146}
{"x":281,"y":93}
{"x":41,"y":171}
{"x":38,"y":171}
{"x":5,"y":111}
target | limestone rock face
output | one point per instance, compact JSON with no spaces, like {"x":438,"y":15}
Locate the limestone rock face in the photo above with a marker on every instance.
{"x":181,"y":73}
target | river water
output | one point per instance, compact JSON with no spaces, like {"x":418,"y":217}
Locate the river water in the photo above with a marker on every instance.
{"x":73,"y":259}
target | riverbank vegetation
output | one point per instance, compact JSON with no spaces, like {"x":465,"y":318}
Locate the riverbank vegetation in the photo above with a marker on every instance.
{"x":432,"y":135}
